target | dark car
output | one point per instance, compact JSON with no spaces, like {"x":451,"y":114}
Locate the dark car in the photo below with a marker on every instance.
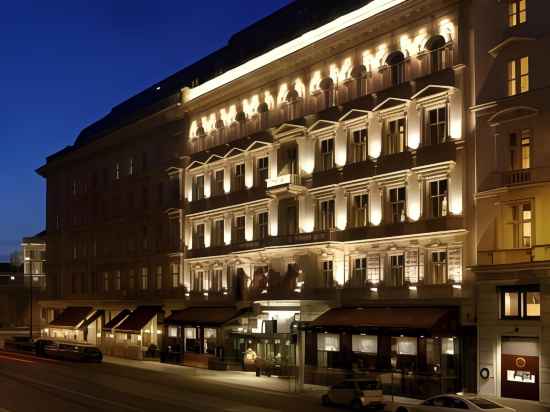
{"x":356,"y":393}
{"x":72,"y":351}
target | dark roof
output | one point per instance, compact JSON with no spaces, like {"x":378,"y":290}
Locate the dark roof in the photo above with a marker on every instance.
{"x":38,"y":238}
{"x":201,"y":315}
{"x":6,"y":267}
{"x":72,"y":316}
{"x":285,"y":24}
{"x":140,"y":317}
{"x":117,"y":319}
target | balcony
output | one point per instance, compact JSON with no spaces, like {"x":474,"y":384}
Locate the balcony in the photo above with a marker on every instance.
{"x":394,"y":162}
{"x":443,"y":152}
{"x":511,"y":178}
{"x":284,"y":186}
{"x":232,"y":198}
{"x":513,"y":256}
{"x":326,"y":177}
{"x":355,"y":295}
{"x":517,"y":177}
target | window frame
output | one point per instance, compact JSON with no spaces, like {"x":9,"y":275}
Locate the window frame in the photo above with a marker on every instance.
{"x":239,"y":179}
{"x":327,"y":221}
{"x":360,"y":215}
{"x":516,"y":76}
{"x":429,"y":125}
{"x":327,"y":158}
{"x":438,"y":198}
{"x":395,"y":138}
{"x":516,"y":14}
{"x":359,"y":151}
{"x":522,"y":291}
{"x":398,"y":204}
{"x":262,"y":173}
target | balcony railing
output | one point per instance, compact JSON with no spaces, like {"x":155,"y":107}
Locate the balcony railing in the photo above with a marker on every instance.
{"x":513,"y":256}
{"x":517,"y":177}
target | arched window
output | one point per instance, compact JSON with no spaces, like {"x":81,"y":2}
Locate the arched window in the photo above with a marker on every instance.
{"x":436,"y":52}
{"x":396,"y":63}
{"x":327,"y":86}
{"x":359,"y":74}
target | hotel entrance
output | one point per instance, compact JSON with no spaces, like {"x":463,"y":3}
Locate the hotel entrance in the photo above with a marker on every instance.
{"x":520,"y":368}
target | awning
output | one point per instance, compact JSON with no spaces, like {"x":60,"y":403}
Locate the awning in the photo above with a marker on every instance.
{"x":137,"y":320}
{"x":92,"y":318}
{"x":72,"y":317}
{"x":394,"y":317}
{"x":113,"y":323}
{"x":203,"y":315}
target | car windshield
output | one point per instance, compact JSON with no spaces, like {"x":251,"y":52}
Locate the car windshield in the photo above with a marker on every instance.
{"x":369,"y":385}
{"x":484,"y":403}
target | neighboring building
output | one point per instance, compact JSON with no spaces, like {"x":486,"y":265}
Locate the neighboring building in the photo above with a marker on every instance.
{"x":512,"y":198}
{"x":34,"y":267}
{"x":12,"y":309}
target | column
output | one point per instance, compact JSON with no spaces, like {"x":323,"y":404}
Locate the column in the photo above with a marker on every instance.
{"x":414,"y":126}
{"x":340,"y":146}
{"x":188,"y":229}
{"x":248,"y":171}
{"x":227,"y":177}
{"x":306,"y":219}
{"x":414,"y":197}
{"x":455,"y":114}
{"x":273,"y":217}
{"x":455,"y":184}
{"x":227,"y":225}
{"x":306,"y":154}
{"x":341,"y":209}
{"x":207,"y":232}
{"x":188,"y":187}
{"x":273,"y":159}
{"x":375,"y":203}
{"x":207,"y":184}
{"x":248,"y":226}
{"x":375,"y":135}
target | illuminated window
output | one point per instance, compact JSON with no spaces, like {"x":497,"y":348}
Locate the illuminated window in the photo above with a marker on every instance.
{"x":360,"y":210}
{"x":520,"y":150}
{"x":517,"y":12}
{"x":518,"y":76}
{"x":144,"y":278}
{"x":217,"y":186}
{"x":359,"y":145}
{"x":326,"y":214}
{"x":520,"y":302}
{"x":238,"y":229}
{"x":518,"y":226}
{"x":394,"y":137}
{"x":261,"y":225}
{"x":263,"y":171}
{"x":397,"y":203}
{"x":175,"y":275}
{"x":359,"y":274}
{"x":239,"y":177}
{"x":397,"y":269}
{"x":198,"y":242}
{"x":158,"y":282}
{"x":436,"y":126}
{"x":439,"y":198}
{"x":374,"y":269}
{"x":439,"y":267}
{"x":327,"y":154}
{"x":328,"y":275}
{"x":199,"y":188}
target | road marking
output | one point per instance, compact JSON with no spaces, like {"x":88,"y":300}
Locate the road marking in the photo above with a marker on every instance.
{"x":15,"y":359}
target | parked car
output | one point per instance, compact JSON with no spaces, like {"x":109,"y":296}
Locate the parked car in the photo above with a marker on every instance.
{"x":447,"y":403}
{"x":356,"y":393}
{"x":71,"y":351}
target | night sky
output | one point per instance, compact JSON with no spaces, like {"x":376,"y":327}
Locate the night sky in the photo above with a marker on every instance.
{"x":64,"y":64}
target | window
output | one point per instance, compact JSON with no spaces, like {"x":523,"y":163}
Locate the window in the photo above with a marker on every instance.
{"x":328,"y":342}
{"x":517,"y":12}
{"x":263,"y":170}
{"x":106,"y":282}
{"x":327,"y":154}
{"x":364,"y":344}
{"x":397,"y":203}
{"x":520,"y":302}
{"x":216,"y":280}
{"x":520,"y":150}
{"x":397,"y":269}
{"x":518,"y":76}
{"x":199,"y":188}
{"x":117,"y":280}
{"x":436,"y":126}
{"x":117,"y":171}
{"x":359,"y":145}
{"x":395,"y":136}
{"x":360,"y":210}
{"x":175,"y":275}
{"x":518,"y":226}
{"x":218,"y":182}
{"x":439,"y":267}
{"x":199,"y":236}
{"x":396,"y":63}
{"x":144,"y":278}
{"x":291,"y":220}
{"x":359,"y":274}
{"x":326,"y":214}
{"x":218,"y":229}
{"x":131,"y":166}
{"x":159,"y":277}
{"x":197,"y":281}
{"x":239,"y":177}
{"x":131,"y":279}
{"x":328,"y":274}
{"x":262,"y":225}
{"x":374,"y":269}
{"x":439,"y":198}
{"x":239,"y":229}
{"x":292,"y":159}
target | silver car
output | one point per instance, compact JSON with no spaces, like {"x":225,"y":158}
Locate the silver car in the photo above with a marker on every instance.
{"x":356,"y":393}
{"x":453,"y":403}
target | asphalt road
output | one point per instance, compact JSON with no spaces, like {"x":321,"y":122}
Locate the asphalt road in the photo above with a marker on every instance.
{"x":35,"y":384}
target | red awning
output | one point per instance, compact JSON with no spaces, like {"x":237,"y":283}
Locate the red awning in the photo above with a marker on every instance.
{"x":395,"y":317}
{"x":137,"y":320}
{"x":72,"y":317}
{"x":116,"y":320}
{"x":210,"y":315}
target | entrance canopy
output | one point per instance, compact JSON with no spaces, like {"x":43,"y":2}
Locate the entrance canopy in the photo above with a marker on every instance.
{"x":113,"y":323}
{"x":381,"y":317}
{"x":72,"y":317}
{"x":138,"y":319}
{"x":203,"y":315}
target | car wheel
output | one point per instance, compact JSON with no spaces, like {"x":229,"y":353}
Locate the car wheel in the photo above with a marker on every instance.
{"x":325,"y":400}
{"x":356,"y":405}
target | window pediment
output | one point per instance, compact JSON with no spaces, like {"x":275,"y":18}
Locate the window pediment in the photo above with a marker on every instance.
{"x":512,"y":114}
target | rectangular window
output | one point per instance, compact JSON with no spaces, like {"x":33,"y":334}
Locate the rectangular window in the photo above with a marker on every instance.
{"x":374,"y":269}
{"x":216,"y":280}
{"x":117,"y":171}
{"x":328,"y":277}
{"x":199,"y":236}
{"x":520,"y":150}
{"x":159,"y":277}
{"x":359,"y":145}
{"x":239,"y":177}
{"x":439,"y":267}
{"x":395,"y":136}
{"x":359,"y":274}
{"x":360,"y":210}
{"x":262,"y":225}
{"x":263,"y":170}
{"x":518,"y":76}
{"x":106,"y":282}
{"x":131,"y":166}
{"x":328,"y":342}
{"x":397,"y":203}
{"x":117,"y":280}
{"x":517,"y":12}
{"x":436,"y":126}
{"x":144,"y":278}
{"x":175,"y":275}
{"x":131,"y":279}
{"x":218,"y":229}
{"x":199,"y":188}
{"x":173,"y":331}
{"x":439,"y":198}
{"x":327,"y":154}
{"x":364,"y":344}
{"x":197,"y":279}
{"x":326,"y":214}
{"x":520,"y":302}
{"x":238,"y":232}
{"x":518,"y":226}
{"x":218,"y":183}
{"x":397,"y":270}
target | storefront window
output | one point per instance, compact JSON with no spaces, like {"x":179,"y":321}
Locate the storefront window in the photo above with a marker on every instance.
{"x":191,"y":341}
{"x":328,"y":344}
{"x":172,"y":331}
{"x":210,"y":340}
{"x":407,"y":346}
{"x":448,"y":346}
{"x":365,"y":344}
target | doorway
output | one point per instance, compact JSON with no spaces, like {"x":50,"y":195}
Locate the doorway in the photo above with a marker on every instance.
{"x":520,"y":368}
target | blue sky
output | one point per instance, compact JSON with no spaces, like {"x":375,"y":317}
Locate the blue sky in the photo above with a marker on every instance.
{"x":64,"y":64}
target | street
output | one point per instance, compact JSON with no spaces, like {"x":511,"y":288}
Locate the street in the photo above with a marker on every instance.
{"x":34,"y":384}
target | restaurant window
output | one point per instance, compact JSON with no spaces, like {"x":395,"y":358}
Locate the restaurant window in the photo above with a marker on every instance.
{"x":520,"y":150}
{"x":263,"y":170}
{"x":397,"y":269}
{"x":364,"y":344}
{"x":439,"y":202}
{"x":518,"y":226}
{"x":239,"y":229}
{"x":360,"y":210}
{"x":159,"y":277}
{"x":439,"y":267}
{"x":326,"y":214}
{"x":520,"y":302}
{"x":199,"y":188}
{"x":397,"y":203}
{"x":394,"y":138}
{"x":239,"y":177}
{"x":191,"y":342}
{"x":517,"y":12}
{"x":436,"y":126}
{"x":359,"y":273}
{"x":173,"y":331}
{"x":106,"y":282}
{"x":218,"y":184}
{"x":405,"y":345}
{"x":359,"y":145}
{"x":327,"y":344}
{"x":327,"y":154}
{"x":262,"y":225}
{"x":218,"y":229}
{"x":518,"y":76}
{"x":144,"y":278}
{"x":175,"y":275}
{"x":328,"y":274}
{"x":198,"y":243}
{"x":117,"y":280}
